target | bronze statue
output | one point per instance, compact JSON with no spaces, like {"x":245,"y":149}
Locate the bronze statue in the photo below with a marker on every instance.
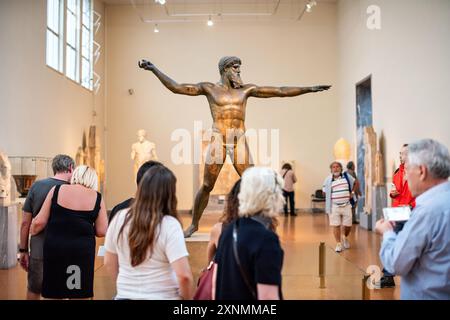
{"x":227,"y":101}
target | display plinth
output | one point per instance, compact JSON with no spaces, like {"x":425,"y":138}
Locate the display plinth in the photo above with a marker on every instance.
{"x":197,"y":247}
{"x":379,"y":201}
{"x":8,"y":236}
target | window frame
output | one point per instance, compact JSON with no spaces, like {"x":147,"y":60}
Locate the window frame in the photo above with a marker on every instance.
{"x":64,"y":46}
{"x":77,"y":46}
{"x":90,"y":32}
{"x":60,"y":34}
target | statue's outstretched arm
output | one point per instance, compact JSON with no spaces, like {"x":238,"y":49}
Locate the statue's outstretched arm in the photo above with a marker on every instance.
{"x":270,"y":92}
{"x":187,"y":89}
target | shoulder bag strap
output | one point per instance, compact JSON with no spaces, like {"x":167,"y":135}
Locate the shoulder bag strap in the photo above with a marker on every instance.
{"x":236,"y":257}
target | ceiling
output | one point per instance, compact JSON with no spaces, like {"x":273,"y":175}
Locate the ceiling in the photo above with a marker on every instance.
{"x":147,"y":2}
{"x":219,"y":10}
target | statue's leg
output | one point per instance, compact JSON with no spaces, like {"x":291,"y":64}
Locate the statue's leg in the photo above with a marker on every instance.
{"x":212,"y":170}
{"x":242,"y":157}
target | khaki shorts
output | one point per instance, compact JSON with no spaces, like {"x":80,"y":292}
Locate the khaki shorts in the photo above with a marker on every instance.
{"x":341,"y":216}
{"x":35,"y":274}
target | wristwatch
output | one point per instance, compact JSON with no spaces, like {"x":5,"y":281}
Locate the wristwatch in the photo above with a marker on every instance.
{"x":23,"y":250}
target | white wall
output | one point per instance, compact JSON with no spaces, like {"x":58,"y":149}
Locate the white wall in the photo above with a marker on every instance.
{"x":42,"y":113}
{"x":409,"y":60}
{"x":277,"y":53}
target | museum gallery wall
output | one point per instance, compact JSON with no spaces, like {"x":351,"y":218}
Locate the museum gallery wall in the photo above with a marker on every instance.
{"x":189,"y":54}
{"x":410,"y":95}
{"x":44,"y":113}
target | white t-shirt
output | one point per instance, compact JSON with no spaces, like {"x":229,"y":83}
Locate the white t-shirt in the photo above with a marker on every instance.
{"x":153,"y":279}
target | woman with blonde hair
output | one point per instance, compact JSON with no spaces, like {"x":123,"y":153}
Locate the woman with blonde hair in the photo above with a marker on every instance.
{"x":73,"y":216}
{"x":145,"y":248}
{"x":230,"y":214}
{"x":249,"y":257}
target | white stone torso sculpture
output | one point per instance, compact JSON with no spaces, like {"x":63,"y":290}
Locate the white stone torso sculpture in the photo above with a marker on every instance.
{"x":5,"y":180}
{"x":370,"y":142}
{"x":142,"y":151}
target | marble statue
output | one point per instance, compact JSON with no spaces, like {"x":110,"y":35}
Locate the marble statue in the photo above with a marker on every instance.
{"x":80,"y":156}
{"x":84,"y":146}
{"x":142,"y":151}
{"x":92,"y":147}
{"x":89,"y":153}
{"x":379,"y":169}
{"x":227,"y":102}
{"x":370,"y":144}
{"x":5,"y":180}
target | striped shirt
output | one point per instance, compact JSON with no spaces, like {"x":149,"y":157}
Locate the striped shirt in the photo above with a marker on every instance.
{"x":340,"y":192}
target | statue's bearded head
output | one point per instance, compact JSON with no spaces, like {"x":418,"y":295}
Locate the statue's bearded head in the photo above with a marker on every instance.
{"x":230,"y":67}
{"x":142,"y":134}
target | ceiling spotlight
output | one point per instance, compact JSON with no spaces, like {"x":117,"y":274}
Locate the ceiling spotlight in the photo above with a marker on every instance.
{"x":156,"y":30}
{"x":310,"y":5}
{"x":210,"y":23}
{"x":161,"y":2}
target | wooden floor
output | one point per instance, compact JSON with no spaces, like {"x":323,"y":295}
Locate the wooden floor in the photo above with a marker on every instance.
{"x":300,"y":238}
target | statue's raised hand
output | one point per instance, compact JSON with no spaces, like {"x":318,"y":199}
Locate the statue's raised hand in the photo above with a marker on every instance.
{"x":146,"y":65}
{"x":320,"y":88}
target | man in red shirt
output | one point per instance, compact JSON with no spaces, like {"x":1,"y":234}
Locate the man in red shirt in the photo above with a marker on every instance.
{"x":401,"y":196}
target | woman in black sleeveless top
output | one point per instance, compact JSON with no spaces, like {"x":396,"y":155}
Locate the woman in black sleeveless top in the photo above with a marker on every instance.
{"x":69,"y":246}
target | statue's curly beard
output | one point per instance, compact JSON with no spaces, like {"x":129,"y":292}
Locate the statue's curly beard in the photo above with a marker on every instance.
{"x":235,"y":80}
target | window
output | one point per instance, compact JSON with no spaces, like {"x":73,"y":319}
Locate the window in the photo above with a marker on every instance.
{"x":79,"y":37}
{"x":73,"y":40}
{"x":54,"y":52}
{"x":86,"y":46}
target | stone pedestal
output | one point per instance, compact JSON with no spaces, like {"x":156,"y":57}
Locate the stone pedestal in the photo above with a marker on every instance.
{"x":379,"y":201}
{"x":196,"y":246}
{"x":8,"y":236}
{"x":365,"y":220}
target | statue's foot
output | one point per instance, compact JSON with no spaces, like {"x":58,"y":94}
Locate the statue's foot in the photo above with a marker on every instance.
{"x":190,"y":230}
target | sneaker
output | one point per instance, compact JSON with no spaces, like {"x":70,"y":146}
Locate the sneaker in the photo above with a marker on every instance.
{"x":338,"y":247}
{"x":387,"y":282}
{"x":346,"y":243}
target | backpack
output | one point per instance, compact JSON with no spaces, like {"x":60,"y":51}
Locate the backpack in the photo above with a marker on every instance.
{"x":352,"y":201}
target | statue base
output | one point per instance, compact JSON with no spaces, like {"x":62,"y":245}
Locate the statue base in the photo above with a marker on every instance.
{"x":379,"y":201}
{"x":8,"y":236}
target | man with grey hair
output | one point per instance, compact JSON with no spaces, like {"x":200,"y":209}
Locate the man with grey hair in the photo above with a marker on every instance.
{"x":338,"y":188}
{"x":420,"y":253}
{"x":32,"y":260}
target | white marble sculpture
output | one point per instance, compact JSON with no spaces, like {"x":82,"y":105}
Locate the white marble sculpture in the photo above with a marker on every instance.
{"x":142,"y":151}
{"x":5,"y":180}
{"x":370,"y":142}
{"x":379,"y":167}
{"x":89,"y":154}
{"x":79,"y":158}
